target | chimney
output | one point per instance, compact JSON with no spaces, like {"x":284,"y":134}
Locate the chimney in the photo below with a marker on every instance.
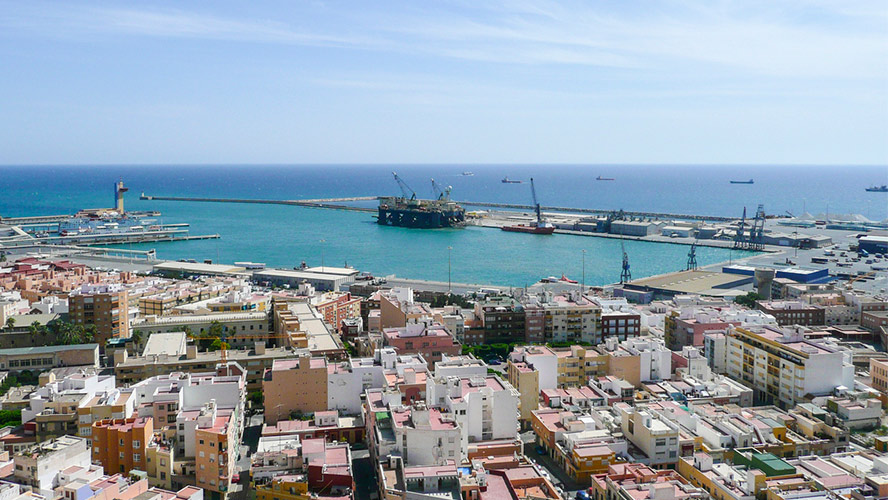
{"x":191,"y":352}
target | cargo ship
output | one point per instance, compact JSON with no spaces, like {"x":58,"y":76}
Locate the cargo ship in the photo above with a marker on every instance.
{"x":408,"y":211}
{"x":537,"y":227}
{"x":750,"y":181}
{"x":506,"y":180}
{"x":533,"y":228}
{"x":878,"y":189}
{"x":600,"y":178}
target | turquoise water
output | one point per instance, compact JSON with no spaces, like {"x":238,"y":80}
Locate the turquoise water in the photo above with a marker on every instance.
{"x":284,"y":236}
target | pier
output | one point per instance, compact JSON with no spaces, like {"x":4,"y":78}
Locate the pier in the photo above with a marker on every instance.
{"x":334,"y":203}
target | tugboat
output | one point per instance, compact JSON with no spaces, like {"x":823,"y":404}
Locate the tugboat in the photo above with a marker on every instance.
{"x":538,"y":227}
{"x":506,"y":180}
{"x":878,"y":189}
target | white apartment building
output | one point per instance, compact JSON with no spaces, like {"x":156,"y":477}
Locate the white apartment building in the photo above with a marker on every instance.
{"x":485,"y":408}
{"x":40,"y":465}
{"x":425,"y":436}
{"x":653,"y":435}
{"x":347,"y":380}
{"x":783,"y":367}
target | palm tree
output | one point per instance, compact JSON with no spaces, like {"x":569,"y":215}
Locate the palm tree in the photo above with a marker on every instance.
{"x":34,"y":328}
{"x":10,"y":322}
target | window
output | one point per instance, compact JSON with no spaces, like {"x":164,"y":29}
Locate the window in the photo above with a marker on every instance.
{"x":137,"y":457}
{"x":137,"y":444}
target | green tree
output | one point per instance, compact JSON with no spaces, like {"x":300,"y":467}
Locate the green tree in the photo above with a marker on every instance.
{"x":218,"y":345}
{"x":748,"y":300}
{"x":10,"y":322}
{"x":34,"y":328}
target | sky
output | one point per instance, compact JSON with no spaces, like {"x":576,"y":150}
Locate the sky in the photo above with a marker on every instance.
{"x":462,"y":81}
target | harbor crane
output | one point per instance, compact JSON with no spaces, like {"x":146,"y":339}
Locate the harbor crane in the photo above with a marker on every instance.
{"x":692,"y":257}
{"x":441,"y":193}
{"x":405,"y":189}
{"x":625,"y":274}
{"x":536,"y":204}
{"x":740,"y":237}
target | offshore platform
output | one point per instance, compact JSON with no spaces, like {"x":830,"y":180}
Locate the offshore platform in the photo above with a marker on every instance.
{"x":408,"y":211}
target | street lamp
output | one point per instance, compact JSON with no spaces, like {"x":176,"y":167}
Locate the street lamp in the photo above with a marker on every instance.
{"x":584,"y":272}
{"x":449,"y":251}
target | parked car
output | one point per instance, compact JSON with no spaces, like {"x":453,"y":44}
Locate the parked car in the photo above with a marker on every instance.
{"x":494,"y":361}
{"x":582,"y":495}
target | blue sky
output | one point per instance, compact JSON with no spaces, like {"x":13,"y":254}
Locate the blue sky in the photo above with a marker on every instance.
{"x":749,"y":81}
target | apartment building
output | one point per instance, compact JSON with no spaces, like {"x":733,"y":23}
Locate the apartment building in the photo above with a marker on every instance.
{"x":527,"y":381}
{"x":571,"y":318}
{"x":783,"y":367}
{"x":348,"y":380}
{"x":502,"y":319}
{"x":41,"y":465}
{"x":130,"y":370}
{"x":485,"y":407}
{"x":295,"y":386}
{"x":118,"y":445}
{"x":429,"y":339}
{"x":789,"y":312}
{"x":656,"y":437}
{"x":102,"y":306}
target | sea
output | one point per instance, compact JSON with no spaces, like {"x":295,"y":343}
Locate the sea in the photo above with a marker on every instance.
{"x":285,"y":236}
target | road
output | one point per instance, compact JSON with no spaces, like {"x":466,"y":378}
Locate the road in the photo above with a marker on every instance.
{"x":556,"y":474}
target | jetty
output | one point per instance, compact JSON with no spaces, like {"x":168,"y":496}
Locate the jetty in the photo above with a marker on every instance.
{"x":336,"y":203}
{"x":333,"y":203}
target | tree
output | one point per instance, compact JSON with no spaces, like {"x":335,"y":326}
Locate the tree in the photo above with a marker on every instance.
{"x":10,"y":322}
{"x":218,"y":345}
{"x":34,"y":328}
{"x":137,"y":337}
{"x":748,"y":300}
{"x":215,"y":329}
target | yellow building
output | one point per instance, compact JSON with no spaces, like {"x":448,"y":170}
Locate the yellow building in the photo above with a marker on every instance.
{"x":287,"y":487}
{"x":295,"y":386}
{"x":576,"y":364}
{"x":527,"y":381}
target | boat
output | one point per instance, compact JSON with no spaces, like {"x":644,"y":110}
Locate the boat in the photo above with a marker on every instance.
{"x":566,"y":279}
{"x":750,"y":181}
{"x":546,"y":228}
{"x":878,"y":189}
{"x":468,"y":174}
{"x":600,"y":178}
{"x":539,"y":226}
{"x":506,"y":180}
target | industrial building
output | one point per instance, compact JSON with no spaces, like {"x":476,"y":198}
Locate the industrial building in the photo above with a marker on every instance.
{"x":321,"y":281}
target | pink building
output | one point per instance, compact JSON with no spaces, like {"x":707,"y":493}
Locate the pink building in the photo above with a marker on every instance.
{"x":430,"y":340}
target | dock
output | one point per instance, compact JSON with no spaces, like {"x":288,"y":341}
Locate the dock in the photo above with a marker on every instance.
{"x":335,"y":203}
{"x":332,"y":203}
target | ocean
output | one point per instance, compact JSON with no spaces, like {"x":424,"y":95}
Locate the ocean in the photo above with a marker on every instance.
{"x":286,"y":235}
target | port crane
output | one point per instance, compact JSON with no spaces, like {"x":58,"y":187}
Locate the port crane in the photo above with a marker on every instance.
{"x":405,"y":189}
{"x":442,"y":194}
{"x":536,"y":204}
{"x":625,"y":274}
{"x":692,"y":257}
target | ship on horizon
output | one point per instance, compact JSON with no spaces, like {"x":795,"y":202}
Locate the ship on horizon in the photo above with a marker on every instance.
{"x":506,"y":180}
{"x":750,"y":181}
{"x":600,"y":178}
{"x":878,"y":189}
{"x":468,"y":174}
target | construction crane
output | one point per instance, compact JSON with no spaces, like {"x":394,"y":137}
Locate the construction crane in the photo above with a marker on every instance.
{"x":441,"y":194}
{"x":405,"y":189}
{"x":692,"y":257}
{"x":536,"y":204}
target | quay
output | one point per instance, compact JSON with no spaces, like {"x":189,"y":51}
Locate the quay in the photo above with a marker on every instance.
{"x":334,"y":203}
